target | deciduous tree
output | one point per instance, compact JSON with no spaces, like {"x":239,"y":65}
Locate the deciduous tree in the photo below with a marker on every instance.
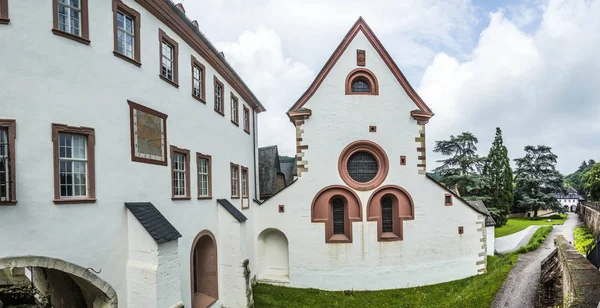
{"x":592,"y":186}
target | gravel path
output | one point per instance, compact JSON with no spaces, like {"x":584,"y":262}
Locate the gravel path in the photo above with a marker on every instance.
{"x":520,"y":289}
{"x":512,"y":242}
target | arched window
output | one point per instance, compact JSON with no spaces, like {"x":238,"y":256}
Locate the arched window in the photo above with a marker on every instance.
{"x":338,"y":216}
{"x":361,"y":81}
{"x":387,"y":221}
{"x":363,"y":165}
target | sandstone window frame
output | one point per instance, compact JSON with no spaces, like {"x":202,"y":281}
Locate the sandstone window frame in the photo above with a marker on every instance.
{"x":363,"y":75}
{"x":133,"y":107}
{"x":10,"y":125}
{"x":90,"y":135}
{"x":246,"y":119}
{"x":119,"y":6}
{"x":84,"y":36}
{"x":244,"y":186}
{"x":219,"y":96}
{"x":4,"y":18}
{"x":235,"y":109}
{"x":448,"y":199}
{"x":234,"y":183}
{"x":163,"y":38}
{"x":322,"y":212}
{"x":186,"y":153}
{"x":208,"y":158}
{"x":403,"y":209}
{"x":371,"y":148}
{"x":202,"y":80}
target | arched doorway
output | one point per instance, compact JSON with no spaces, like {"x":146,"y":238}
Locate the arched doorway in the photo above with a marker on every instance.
{"x":273,"y":256}
{"x":66,"y":283}
{"x":204,"y":270}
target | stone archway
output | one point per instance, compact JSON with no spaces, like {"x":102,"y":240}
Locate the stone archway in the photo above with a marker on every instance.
{"x":103,"y":295}
{"x":273,"y":256}
{"x":204,"y":270}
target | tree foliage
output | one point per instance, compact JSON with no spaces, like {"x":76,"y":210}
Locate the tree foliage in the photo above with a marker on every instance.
{"x":592,"y":185}
{"x":579,"y":178}
{"x":462,"y":169}
{"x":537,"y":180}
{"x":498,"y":177}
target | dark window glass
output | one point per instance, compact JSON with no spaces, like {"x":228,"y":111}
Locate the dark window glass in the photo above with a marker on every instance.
{"x":338,"y":216}
{"x":386,"y":215}
{"x":448,"y":199}
{"x":360,"y":86}
{"x":4,"y":166}
{"x":362,"y":167}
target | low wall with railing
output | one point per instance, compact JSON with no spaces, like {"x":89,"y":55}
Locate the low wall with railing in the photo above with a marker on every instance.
{"x":590,"y":214}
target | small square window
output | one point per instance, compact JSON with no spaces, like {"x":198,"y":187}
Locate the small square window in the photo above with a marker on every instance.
{"x":448,"y":199}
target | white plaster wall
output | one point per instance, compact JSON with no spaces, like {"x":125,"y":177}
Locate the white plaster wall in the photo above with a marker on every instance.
{"x":273,"y":256}
{"x":141,"y":266}
{"x":232,"y":289}
{"x":432,"y":251}
{"x":490,"y":240}
{"x":50,"y":79}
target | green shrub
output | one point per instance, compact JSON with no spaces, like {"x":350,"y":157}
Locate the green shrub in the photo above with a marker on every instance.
{"x":583,"y":237}
{"x":536,"y":240}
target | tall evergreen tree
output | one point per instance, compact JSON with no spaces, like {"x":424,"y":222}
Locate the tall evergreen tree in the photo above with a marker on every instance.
{"x":537,"y":180}
{"x":462,"y":169}
{"x":498,"y":177}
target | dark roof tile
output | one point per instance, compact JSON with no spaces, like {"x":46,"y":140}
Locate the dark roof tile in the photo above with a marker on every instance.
{"x":153,"y":221}
{"x":232,"y":209}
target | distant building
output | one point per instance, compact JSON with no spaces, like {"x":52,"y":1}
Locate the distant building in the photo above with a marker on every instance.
{"x":570,"y":200}
{"x":275,"y":172}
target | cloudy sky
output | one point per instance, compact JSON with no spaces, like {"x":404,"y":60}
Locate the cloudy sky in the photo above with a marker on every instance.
{"x":531,"y":67}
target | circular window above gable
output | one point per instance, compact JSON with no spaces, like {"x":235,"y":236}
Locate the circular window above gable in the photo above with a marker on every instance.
{"x":363,"y":165}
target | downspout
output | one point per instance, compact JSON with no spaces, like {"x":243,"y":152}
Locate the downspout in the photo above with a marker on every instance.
{"x":254,"y":137}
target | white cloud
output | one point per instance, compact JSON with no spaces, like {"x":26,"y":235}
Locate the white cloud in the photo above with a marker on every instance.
{"x":539,"y":87}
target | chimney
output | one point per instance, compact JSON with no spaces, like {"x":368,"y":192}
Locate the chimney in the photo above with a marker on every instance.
{"x":195,"y":23}
{"x":180,"y":7}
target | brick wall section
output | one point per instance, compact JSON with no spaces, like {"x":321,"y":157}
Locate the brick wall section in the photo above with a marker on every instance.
{"x":580,"y":279}
{"x":301,"y":163}
{"x":482,"y":256}
{"x":591,"y":216}
{"x":421,"y":159}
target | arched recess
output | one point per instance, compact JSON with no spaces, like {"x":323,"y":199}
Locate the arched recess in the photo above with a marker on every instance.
{"x":321,"y":211}
{"x":402,"y":209}
{"x":273,"y":256}
{"x":364,"y":75}
{"x":104,"y":295}
{"x":204,"y":270}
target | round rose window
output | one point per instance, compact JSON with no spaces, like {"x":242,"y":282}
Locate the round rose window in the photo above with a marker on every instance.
{"x":362,"y":166}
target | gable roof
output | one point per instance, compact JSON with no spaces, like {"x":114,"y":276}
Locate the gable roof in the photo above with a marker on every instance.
{"x":489,"y":221}
{"x":361,"y":26}
{"x":232,"y":210}
{"x":455,"y":195}
{"x":153,"y":221}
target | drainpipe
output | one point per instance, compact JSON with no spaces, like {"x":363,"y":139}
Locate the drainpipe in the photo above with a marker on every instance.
{"x":254,"y":149}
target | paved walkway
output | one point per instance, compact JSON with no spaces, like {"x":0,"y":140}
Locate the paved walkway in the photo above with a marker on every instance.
{"x":520,"y":289}
{"x":512,"y":242}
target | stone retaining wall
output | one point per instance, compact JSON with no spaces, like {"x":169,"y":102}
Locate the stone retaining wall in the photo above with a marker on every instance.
{"x":591,"y":216}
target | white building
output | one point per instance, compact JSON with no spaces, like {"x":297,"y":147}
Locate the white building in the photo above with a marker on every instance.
{"x":128,"y":167}
{"x":570,"y":200}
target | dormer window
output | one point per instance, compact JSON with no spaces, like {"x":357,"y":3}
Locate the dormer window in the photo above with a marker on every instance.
{"x":361,"y":81}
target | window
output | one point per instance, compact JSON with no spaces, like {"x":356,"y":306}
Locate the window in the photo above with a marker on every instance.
{"x":4,"y":12}
{"x":338,"y":216}
{"x":126,"y":33}
{"x":148,"y":129}
{"x":204,"y":176}
{"x":244,"y":182}
{"x":234,"y":109}
{"x":198,"y":91}
{"x":387,"y":223}
{"x":448,"y":199}
{"x":219,"y":99}
{"x":180,"y":173}
{"x":7,"y":163}
{"x":361,"y":81}
{"x":235,"y":184}
{"x":71,"y":19}
{"x":246,"y":119}
{"x":362,"y":167}
{"x":169,"y":50}
{"x":74,"y":179}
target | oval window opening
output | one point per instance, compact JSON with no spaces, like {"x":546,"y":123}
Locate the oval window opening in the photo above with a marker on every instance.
{"x":362,"y":167}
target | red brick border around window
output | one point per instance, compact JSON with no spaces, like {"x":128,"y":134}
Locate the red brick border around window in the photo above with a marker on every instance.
{"x":448,"y":199}
{"x":322,"y":211}
{"x":235,"y":117}
{"x":91,"y":162}
{"x":220,"y":111}
{"x":4,"y":20}
{"x":246,"y":115}
{"x":371,"y":148}
{"x":163,"y":37}
{"x":231,"y":165}
{"x":365,"y":75}
{"x":153,"y":112}
{"x":402,"y":209}
{"x":209,"y":158}
{"x":185,"y":152}
{"x":11,"y":126}
{"x":85,"y":25}
{"x":202,"y":97}
{"x":118,"y":5}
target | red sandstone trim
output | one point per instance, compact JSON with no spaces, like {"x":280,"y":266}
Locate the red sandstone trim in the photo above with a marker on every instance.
{"x":366,"y":146}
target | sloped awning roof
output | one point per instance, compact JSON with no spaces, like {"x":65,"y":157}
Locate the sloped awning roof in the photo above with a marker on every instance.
{"x":489,"y":221}
{"x":232,"y":209}
{"x":153,"y":221}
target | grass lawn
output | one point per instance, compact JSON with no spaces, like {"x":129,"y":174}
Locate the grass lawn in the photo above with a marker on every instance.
{"x":583,"y":237}
{"x":514,"y":225}
{"x":476,"y":291}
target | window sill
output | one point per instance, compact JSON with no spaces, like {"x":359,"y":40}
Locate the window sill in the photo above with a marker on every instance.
{"x":4,"y":21}
{"x":339,"y":239}
{"x":199,"y":99}
{"x":235,"y":197}
{"x":220,"y":112}
{"x":204,"y":197}
{"x":126,"y":58}
{"x":8,"y":203}
{"x":171,"y":82}
{"x":362,"y":93}
{"x":180,"y":198}
{"x":247,"y":131}
{"x":74,"y":200}
{"x":448,"y":204}
{"x":76,"y":38}
{"x":148,"y":161}
{"x":389,"y":237}
{"x":235,"y":123}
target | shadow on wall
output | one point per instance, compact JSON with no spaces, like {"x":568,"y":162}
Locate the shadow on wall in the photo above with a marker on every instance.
{"x":273,"y":257}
